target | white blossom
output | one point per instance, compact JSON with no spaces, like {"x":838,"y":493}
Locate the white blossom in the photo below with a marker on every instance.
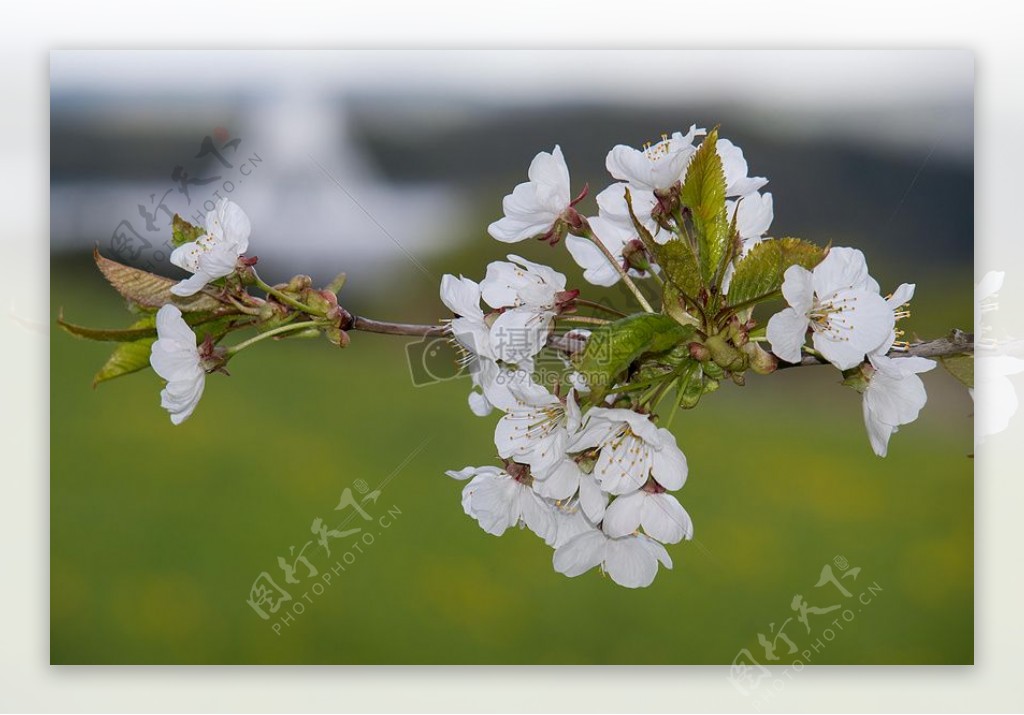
{"x":660,"y":514}
{"x":498,"y":501}
{"x":536,"y":429}
{"x":495,"y":380}
{"x":176,"y":359}
{"x":894,"y":396}
{"x":534,"y":206}
{"x":215,"y":254}
{"x":655,"y":167}
{"x":614,"y":228}
{"x":528,"y":295}
{"x":566,"y":480}
{"x":847,"y":318}
{"x":630,"y":561}
{"x":632,"y":449}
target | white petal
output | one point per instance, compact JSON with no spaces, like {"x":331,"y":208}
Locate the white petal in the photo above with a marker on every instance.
{"x":461,"y":296}
{"x":580,"y":554}
{"x":842,"y":269}
{"x":593,"y":501}
{"x":538,"y":515}
{"x":786,"y":333}
{"x":668,"y":466}
{"x":901,"y":296}
{"x":623,"y":515}
{"x":798,"y":288}
{"x":479,"y":405}
{"x":519,"y":333}
{"x":597,"y":269}
{"x":235,"y":225}
{"x":664,"y":518}
{"x":561,"y":482}
{"x":630,"y":564}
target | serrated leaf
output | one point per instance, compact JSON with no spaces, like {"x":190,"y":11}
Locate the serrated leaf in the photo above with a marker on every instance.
{"x":703,"y":189}
{"x":148,"y":289}
{"x":131,"y":356}
{"x":611,"y":348}
{"x":675,"y":257}
{"x":961,"y":367}
{"x":183,"y":232}
{"x":703,"y":192}
{"x":679,"y":264}
{"x":759,"y":274}
{"x":126,"y":359}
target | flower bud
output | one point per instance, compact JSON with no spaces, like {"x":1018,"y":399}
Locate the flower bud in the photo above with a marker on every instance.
{"x":725,"y":355}
{"x":761,"y":361}
{"x":298,"y":284}
{"x":337,"y":336}
{"x":699,"y":352}
{"x":635,"y":255}
{"x":858,"y":377}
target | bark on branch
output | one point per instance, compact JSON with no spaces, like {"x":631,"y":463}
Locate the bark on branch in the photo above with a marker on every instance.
{"x":956,"y":343}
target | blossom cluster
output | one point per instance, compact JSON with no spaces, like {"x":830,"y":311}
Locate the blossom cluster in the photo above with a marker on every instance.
{"x":175,"y":356}
{"x":592,"y":474}
{"x":561,"y":467}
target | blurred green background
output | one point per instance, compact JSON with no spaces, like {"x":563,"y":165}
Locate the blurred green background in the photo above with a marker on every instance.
{"x":158,"y":532}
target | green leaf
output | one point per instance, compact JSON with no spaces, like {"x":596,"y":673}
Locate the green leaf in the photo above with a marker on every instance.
{"x":611,"y":348}
{"x":202,"y":323}
{"x":672,"y":303}
{"x":183,"y":232}
{"x":691,"y":383}
{"x":130,"y":356}
{"x":703,"y":192}
{"x":679,"y":263}
{"x":120,"y":335}
{"x":759,"y":274}
{"x":126,"y":359}
{"x":148,"y":289}
{"x":675,"y":257}
{"x":961,"y":367}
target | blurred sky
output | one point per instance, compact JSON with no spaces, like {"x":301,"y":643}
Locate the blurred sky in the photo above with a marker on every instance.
{"x":372,"y":159}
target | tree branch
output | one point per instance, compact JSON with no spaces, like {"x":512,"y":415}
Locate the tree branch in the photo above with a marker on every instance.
{"x":380,"y":326}
{"x":956,"y":343}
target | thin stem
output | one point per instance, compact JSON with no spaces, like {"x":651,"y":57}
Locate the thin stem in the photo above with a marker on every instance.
{"x":284,"y":297}
{"x":379,"y":326}
{"x":234,"y":349}
{"x":589,"y":234}
{"x":600,"y":306}
{"x":583,"y":319}
{"x":675,"y":403}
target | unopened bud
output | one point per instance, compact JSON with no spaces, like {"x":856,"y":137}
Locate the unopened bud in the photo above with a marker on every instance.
{"x":337,"y":336}
{"x":635,"y":255}
{"x":298,"y":284}
{"x":858,"y":377}
{"x":725,"y":355}
{"x":761,"y":361}
{"x":699,"y":352}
